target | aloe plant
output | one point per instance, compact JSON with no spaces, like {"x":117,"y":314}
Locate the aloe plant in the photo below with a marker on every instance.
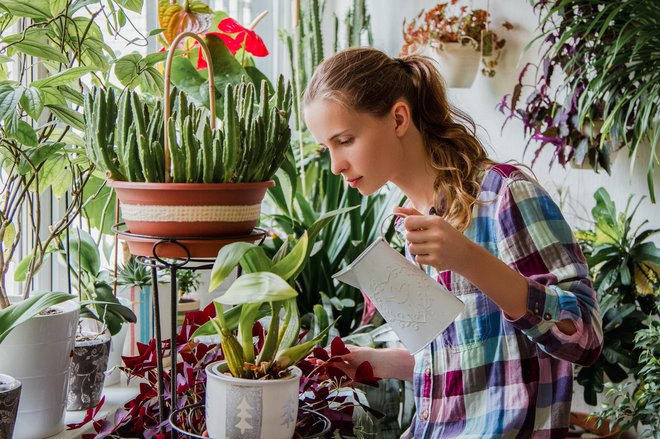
{"x":249,"y":146}
{"x":264,"y":289}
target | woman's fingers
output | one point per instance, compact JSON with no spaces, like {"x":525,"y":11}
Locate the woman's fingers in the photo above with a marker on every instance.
{"x":406,"y":211}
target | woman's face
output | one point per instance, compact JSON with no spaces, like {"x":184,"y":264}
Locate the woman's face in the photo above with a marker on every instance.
{"x":364,"y":149}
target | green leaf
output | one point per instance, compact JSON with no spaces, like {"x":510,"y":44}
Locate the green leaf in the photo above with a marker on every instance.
{"x":83,"y":248}
{"x":228,"y":258}
{"x":131,"y":5}
{"x":99,"y":205}
{"x":38,"y":9}
{"x":127,"y":69}
{"x":40,"y":49}
{"x":25,"y":134}
{"x":68,"y":116}
{"x":292,"y":355}
{"x":292,"y":263}
{"x":57,"y":6}
{"x":55,"y":173}
{"x":9,"y":99}
{"x":32,"y":102}
{"x":8,"y":239}
{"x":21,"y":312}
{"x":38,"y":155}
{"x":257,"y":287}
{"x":231,"y":317}
{"x":65,"y":77}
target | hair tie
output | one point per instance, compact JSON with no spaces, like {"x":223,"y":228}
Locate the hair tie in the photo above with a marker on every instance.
{"x":401,"y":62}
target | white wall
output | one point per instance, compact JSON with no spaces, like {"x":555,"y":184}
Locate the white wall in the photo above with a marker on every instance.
{"x":480,"y":101}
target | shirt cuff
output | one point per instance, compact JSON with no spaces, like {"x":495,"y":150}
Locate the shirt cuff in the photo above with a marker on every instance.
{"x":543,"y":312}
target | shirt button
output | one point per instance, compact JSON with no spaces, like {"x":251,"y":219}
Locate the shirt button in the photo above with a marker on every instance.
{"x":427,"y":371}
{"x":425,"y":415}
{"x":547,"y":316}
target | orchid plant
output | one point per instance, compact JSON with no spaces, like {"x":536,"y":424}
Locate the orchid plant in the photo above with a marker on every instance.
{"x":263,"y":288}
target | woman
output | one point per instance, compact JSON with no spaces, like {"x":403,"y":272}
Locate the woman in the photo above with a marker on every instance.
{"x":504,"y":368}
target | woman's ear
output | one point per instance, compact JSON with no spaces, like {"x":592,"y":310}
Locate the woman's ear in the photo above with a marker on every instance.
{"x":401,"y":115}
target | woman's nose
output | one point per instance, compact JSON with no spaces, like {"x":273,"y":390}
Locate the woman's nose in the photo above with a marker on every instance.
{"x":337,"y":163}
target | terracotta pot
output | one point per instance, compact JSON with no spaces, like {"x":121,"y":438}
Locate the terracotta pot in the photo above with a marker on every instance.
{"x":190,"y":209}
{"x":10,"y":394}
{"x":88,"y":365}
{"x":207,"y":248}
{"x":580,"y":425}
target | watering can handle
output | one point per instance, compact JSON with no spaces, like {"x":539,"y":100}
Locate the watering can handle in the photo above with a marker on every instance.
{"x":383,"y":229}
{"x":382,"y":235}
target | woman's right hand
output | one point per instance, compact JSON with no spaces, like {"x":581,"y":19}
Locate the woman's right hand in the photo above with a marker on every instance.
{"x":386,"y":362}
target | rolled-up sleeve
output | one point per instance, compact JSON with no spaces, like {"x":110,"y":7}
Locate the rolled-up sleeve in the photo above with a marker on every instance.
{"x":535,"y":240}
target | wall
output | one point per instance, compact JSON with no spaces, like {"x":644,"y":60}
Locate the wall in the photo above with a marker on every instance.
{"x":575,"y":185}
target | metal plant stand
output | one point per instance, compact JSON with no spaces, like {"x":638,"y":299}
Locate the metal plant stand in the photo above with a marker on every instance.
{"x":156,"y":262}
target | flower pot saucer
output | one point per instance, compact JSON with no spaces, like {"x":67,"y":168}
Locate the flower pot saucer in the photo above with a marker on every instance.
{"x":140,"y":245}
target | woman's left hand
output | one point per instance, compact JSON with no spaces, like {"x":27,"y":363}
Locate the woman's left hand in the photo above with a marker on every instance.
{"x":434,"y":241}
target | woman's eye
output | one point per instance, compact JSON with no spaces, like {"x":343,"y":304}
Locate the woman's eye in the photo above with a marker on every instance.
{"x":346,"y":142}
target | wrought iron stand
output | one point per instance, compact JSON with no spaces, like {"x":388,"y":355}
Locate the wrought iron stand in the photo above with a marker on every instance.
{"x":155,"y":263}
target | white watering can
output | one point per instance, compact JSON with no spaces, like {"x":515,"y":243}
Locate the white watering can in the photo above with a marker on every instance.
{"x":416,"y":306}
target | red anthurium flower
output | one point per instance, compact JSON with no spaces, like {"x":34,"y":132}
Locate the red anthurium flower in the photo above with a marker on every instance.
{"x":235,"y":36}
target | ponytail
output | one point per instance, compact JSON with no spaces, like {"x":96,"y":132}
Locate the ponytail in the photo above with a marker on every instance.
{"x":367,"y":80}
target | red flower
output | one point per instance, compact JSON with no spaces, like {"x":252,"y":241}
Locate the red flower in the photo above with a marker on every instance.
{"x":235,"y":37}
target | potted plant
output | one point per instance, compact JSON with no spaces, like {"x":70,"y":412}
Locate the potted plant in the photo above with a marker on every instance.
{"x":41,"y":152}
{"x":218,"y":176}
{"x":258,"y":390}
{"x":606,"y":55}
{"x":458,"y":41}
{"x":11,"y":317}
{"x":103,"y":318}
{"x":623,"y":262}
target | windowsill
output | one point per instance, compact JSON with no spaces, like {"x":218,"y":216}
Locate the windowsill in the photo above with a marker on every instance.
{"x":115,"y":397}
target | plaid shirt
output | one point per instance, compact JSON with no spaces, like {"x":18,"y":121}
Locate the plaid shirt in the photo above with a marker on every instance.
{"x":489,"y":376}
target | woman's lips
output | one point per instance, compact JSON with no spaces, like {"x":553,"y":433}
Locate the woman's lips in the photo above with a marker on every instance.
{"x":353,"y":183}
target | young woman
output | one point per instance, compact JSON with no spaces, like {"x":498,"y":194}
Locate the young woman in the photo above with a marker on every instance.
{"x":504,"y":368}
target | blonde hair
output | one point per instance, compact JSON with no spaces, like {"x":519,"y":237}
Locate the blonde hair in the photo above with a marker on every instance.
{"x":367,"y":80}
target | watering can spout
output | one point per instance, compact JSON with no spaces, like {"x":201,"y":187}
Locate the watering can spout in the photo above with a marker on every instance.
{"x":347,"y":275}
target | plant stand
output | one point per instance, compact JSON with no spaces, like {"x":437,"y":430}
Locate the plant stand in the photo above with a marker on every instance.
{"x":177,"y":249}
{"x":312,"y":425}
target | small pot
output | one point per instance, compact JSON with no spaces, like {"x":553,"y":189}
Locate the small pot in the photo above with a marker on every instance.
{"x":458,"y":64}
{"x":10,"y":394}
{"x":186,"y":305}
{"x":89,"y":362}
{"x":580,"y":426}
{"x":250,"y":409}
{"x":190,"y":209}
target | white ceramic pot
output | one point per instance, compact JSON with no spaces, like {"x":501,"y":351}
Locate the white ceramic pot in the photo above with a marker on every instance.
{"x":38,"y":353}
{"x":250,"y":409}
{"x":458,"y":64}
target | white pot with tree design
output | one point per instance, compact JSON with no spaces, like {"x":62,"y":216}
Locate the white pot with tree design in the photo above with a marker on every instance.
{"x":248,"y":408}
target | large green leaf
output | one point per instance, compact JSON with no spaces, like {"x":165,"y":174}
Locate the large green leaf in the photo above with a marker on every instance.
{"x":186,"y":78}
{"x":83,"y":248}
{"x":68,"y":116}
{"x":228,"y":258}
{"x":257,"y":287}
{"x":38,"y":9}
{"x":38,"y":48}
{"x":38,"y":155}
{"x":99,"y":205}
{"x":20,"y":312}
{"x":292,"y":263}
{"x":32,"y":102}
{"x":127,"y":69}
{"x":65,"y":77}
{"x":231,"y":317}
{"x":131,"y":5}
{"x":24,"y":133}
{"x":9,"y":99}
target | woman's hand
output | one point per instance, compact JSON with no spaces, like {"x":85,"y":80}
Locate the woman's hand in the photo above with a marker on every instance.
{"x":435,"y":242}
{"x":386,"y":362}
